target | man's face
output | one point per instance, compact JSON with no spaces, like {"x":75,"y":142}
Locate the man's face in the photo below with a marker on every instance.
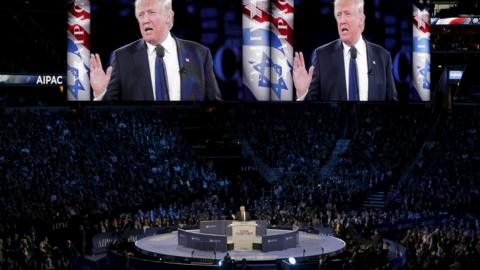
{"x":153,"y":20}
{"x":350,"y":22}
{"x":242,"y":209}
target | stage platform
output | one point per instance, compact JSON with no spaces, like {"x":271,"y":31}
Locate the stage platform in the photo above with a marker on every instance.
{"x":310,"y":245}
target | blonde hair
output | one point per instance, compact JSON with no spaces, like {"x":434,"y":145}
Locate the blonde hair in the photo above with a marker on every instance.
{"x":167,"y":8}
{"x":359,"y":4}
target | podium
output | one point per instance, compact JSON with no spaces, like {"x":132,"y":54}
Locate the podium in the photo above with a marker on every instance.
{"x":243,"y":234}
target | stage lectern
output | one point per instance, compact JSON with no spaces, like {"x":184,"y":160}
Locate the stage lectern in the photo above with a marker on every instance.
{"x":243,"y":234}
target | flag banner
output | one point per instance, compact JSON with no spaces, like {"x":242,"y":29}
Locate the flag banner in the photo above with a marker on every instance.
{"x":281,"y":50}
{"x":268,"y":49}
{"x":78,"y":50}
{"x":456,"y":21}
{"x":256,"y":48}
{"x":421,"y":51}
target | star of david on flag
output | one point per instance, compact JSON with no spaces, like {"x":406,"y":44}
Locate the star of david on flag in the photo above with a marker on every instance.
{"x":268,"y":49}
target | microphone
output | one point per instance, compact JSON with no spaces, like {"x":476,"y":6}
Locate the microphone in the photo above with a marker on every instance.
{"x":320,"y":260}
{"x":160,"y":50}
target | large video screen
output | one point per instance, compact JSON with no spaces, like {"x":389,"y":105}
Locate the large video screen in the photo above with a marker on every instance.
{"x":244,"y":51}
{"x":223,"y":50}
{"x":213,"y":25}
{"x":387,"y":26}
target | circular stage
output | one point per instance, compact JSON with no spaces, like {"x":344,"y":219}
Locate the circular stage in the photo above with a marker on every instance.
{"x":310,"y":245}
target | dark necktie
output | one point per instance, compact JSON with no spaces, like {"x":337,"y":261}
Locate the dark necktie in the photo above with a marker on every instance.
{"x":353,"y":77}
{"x":161,"y":88}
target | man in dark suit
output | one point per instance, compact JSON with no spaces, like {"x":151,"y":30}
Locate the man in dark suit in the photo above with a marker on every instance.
{"x":242,"y":215}
{"x":349,"y":68}
{"x":157,"y":67}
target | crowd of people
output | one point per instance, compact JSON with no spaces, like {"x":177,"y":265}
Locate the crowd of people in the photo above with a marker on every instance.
{"x":270,"y":134}
{"x":452,"y":246}
{"x":110,"y":170}
{"x":26,"y":251}
{"x":379,"y":152}
{"x":60,"y":166}
{"x":67,"y":167}
{"x":447,"y":176}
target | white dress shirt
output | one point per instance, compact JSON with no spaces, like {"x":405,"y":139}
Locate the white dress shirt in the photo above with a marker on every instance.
{"x":362,"y":68}
{"x":172,"y":67}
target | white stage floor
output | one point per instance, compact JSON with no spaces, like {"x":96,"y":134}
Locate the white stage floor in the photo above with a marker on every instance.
{"x":311,"y":244}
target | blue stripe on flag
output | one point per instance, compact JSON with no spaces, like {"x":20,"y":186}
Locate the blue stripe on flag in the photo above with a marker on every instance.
{"x":261,"y":37}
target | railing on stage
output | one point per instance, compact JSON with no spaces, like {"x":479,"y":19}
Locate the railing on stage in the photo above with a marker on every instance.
{"x":202,"y":241}
{"x":280,"y":241}
{"x":213,"y":236}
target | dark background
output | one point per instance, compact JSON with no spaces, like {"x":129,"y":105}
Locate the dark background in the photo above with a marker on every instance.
{"x":33,"y":36}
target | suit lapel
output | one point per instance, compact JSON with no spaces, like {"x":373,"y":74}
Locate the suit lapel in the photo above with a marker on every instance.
{"x":185,"y":92}
{"x":339,"y":64}
{"x":370,"y":60}
{"x":144,"y":79}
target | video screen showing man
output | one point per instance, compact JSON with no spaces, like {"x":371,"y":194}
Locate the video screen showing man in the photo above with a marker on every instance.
{"x":349,"y":68}
{"x":242,"y":215}
{"x":157,"y":67}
